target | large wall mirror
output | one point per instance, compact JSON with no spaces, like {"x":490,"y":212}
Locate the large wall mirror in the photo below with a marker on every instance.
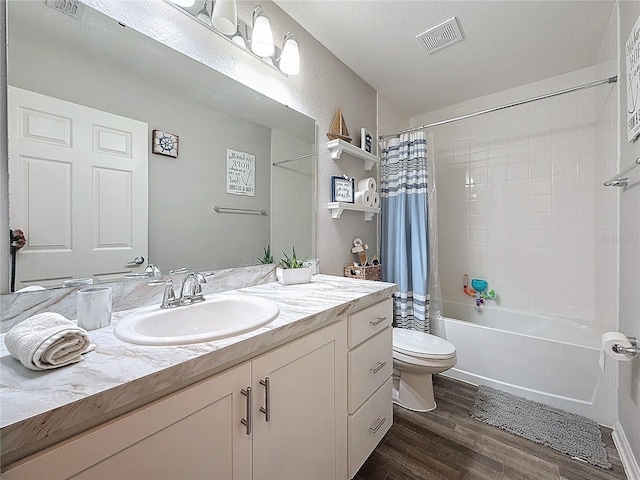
{"x":85,"y":97}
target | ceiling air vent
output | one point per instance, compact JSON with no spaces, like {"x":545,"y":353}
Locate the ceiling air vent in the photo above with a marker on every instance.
{"x":73,"y":8}
{"x":441,"y":36}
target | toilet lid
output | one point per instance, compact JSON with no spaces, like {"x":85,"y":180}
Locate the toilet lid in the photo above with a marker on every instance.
{"x":422,"y":345}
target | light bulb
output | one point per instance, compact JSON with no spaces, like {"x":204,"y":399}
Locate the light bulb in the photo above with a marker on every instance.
{"x":225,"y":16}
{"x":290,"y":57}
{"x":203,"y":14}
{"x":261,"y":38}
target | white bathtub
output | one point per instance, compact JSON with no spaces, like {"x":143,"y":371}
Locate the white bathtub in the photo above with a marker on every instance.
{"x":549,"y":360}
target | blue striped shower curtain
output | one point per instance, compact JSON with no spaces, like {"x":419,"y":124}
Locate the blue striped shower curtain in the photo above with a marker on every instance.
{"x":404,"y":245}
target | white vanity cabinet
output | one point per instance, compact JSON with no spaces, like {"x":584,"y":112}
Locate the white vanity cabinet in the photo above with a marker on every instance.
{"x":198,"y":433}
{"x":188,"y":435}
{"x":304,"y":435}
{"x":370,"y":367}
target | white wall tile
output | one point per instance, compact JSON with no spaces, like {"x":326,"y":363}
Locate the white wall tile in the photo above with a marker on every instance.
{"x":534,"y":223}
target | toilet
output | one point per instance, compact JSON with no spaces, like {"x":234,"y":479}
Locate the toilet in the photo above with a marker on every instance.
{"x":416,"y":357}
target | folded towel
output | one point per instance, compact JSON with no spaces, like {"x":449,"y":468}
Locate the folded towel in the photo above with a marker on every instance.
{"x":47,"y":340}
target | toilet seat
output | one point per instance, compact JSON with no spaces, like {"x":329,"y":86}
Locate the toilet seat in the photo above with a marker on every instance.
{"x":422,"y":345}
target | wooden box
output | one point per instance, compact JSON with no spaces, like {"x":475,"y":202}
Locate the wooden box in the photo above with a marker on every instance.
{"x":372,"y":272}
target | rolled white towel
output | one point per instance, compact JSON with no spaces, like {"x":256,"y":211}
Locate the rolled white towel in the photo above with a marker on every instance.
{"x":47,"y":340}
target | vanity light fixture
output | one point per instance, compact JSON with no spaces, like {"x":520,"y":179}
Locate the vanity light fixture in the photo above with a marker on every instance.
{"x":262,"y":37}
{"x":255,"y":37}
{"x":203,"y":14}
{"x":238,"y":38}
{"x":224,"y":17}
{"x":290,"y":56}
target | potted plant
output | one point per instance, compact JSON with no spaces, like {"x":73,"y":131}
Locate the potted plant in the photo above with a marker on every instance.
{"x":266,"y":256}
{"x":291,"y":271}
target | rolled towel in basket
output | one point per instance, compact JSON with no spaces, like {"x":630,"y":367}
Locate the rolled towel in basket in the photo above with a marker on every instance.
{"x":47,"y":340}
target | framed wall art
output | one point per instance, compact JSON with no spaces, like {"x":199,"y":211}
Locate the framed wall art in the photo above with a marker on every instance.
{"x":165,"y":143}
{"x":342,"y":189}
{"x":365,"y":140}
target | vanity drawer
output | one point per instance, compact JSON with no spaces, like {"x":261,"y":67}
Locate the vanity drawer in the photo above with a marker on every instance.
{"x":370,"y":365}
{"x":369,"y":321}
{"x":368,"y":425}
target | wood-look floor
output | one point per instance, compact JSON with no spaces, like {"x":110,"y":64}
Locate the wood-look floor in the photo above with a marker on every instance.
{"x":448,"y":444}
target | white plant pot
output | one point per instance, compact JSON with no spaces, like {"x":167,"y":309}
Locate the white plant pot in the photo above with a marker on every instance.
{"x":293,"y":276}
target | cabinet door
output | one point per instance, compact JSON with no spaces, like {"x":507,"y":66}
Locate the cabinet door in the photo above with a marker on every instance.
{"x":305,"y":436}
{"x":193,"y":434}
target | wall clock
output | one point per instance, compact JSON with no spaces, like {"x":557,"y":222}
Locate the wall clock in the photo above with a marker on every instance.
{"x":165,"y":143}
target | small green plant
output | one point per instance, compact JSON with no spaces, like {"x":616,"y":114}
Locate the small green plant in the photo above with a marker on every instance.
{"x":292,"y":262}
{"x":266,"y":257}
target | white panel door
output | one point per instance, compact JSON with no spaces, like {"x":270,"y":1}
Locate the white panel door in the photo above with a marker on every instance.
{"x":78,"y":188}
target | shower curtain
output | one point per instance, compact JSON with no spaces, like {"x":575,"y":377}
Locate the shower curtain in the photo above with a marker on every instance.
{"x":407,"y":248}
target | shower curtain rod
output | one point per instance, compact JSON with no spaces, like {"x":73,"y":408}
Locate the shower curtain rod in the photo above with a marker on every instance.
{"x":502,"y":107}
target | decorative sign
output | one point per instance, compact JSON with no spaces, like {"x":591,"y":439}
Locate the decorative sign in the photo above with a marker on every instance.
{"x":342,"y":189}
{"x":241,"y":173}
{"x":632,"y":53}
{"x":165,"y":143}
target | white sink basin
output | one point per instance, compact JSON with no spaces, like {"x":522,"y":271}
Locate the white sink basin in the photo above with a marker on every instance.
{"x":218,"y":317}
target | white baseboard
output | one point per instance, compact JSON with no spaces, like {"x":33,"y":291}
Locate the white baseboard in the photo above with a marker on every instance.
{"x":629,"y":461}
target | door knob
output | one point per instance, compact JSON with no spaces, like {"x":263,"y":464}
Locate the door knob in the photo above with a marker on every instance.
{"x":136,"y":261}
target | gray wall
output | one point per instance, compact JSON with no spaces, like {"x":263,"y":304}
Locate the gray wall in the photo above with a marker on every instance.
{"x":292,"y":197}
{"x":629,"y":372}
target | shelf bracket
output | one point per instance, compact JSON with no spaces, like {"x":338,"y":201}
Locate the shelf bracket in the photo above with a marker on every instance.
{"x":338,"y":147}
{"x":338,"y":207}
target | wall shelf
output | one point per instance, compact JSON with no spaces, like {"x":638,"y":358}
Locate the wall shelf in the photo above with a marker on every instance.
{"x":338,"y":146}
{"x":338,"y":207}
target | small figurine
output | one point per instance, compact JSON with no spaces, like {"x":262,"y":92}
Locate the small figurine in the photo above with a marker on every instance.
{"x":359,"y":248}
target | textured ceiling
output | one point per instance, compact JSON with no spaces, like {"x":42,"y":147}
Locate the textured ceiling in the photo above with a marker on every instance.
{"x":507,"y":43}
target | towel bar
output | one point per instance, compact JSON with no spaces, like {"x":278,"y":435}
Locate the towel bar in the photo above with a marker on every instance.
{"x":621,"y":180}
{"x":245,"y":211}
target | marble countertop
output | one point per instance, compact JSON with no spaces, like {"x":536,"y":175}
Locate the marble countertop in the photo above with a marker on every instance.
{"x":39,"y":408}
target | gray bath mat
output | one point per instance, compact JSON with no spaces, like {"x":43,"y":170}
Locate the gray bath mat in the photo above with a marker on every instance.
{"x":568,"y":433}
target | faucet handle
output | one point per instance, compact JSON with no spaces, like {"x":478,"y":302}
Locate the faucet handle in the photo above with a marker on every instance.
{"x":200,"y":279}
{"x":169,"y":295}
{"x":178,"y":270}
{"x":152,"y":270}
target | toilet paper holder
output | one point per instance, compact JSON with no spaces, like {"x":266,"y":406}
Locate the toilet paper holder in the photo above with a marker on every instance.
{"x":632,"y":351}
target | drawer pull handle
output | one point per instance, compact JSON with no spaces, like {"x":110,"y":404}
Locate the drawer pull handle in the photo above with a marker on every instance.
{"x":381,"y":421}
{"x":376,"y":322}
{"x":380,"y":366}
{"x":249,"y":421}
{"x":267,"y":399}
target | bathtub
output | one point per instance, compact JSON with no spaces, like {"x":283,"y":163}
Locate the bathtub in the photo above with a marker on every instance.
{"x":549,"y":360}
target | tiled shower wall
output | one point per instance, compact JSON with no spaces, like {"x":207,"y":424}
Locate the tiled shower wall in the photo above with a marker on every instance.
{"x":518,"y":194}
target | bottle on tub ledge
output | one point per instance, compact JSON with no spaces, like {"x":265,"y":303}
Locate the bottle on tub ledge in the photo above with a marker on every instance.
{"x":478,"y":290}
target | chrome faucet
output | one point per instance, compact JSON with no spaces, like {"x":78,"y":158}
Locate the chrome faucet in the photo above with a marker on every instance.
{"x":191,"y":290}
